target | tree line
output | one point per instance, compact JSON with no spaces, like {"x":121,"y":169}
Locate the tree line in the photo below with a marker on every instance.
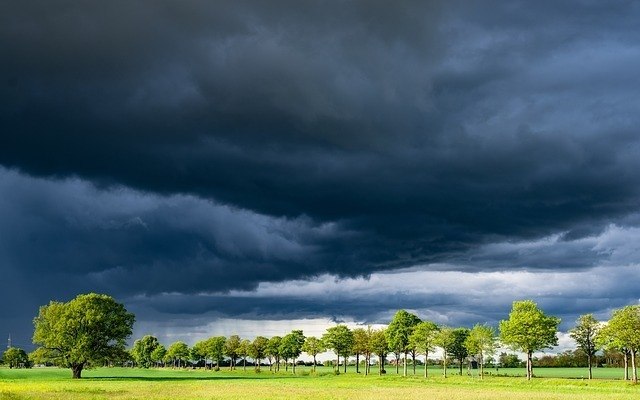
{"x":92,"y":330}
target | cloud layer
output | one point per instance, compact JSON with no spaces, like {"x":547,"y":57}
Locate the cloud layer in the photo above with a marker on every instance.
{"x":175,"y":151}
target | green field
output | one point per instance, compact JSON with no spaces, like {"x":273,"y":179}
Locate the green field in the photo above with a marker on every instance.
{"x":121,"y":383}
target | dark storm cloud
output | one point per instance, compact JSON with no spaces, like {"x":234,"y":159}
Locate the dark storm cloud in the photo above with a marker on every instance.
{"x":232,"y":143}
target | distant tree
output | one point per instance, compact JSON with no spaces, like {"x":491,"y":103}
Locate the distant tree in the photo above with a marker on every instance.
{"x":142,"y":349}
{"x":339,"y":338}
{"x":231,"y":349}
{"x":458,"y":349}
{"x":379,"y":347}
{"x":445,"y":340}
{"x":258,"y":350}
{"x":243,"y":351}
{"x":178,"y":352}
{"x":216,"y":349}
{"x":398,"y":333}
{"x":291,"y":346}
{"x":509,"y":360}
{"x":199,"y":351}
{"x":623,"y":332}
{"x":423,"y":339}
{"x":89,"y":330}
{"x":273,"y":351}
{"x":480,"y":342}
{"x":313,"y":346}
{"x":157,"y":355}
{"x":528,"y":329}
{"x":15,"y":357}
{"x":585,"y":333}
{"x":360,"y":346}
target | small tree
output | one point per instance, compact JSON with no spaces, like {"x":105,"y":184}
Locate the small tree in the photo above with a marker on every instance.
{"x":178,"y":353}
{"x":339,"y":338}
{"x":15,"y":357}
{"x":480,"y":342}
{"x":380,"y":347}
{"x":585,"y":333}
{"x":243,"y":351}
{"x":258,"y":350}
{"x":623,"y":332}
{"x":216,"y":349}
{"x":458,"y":349}
{"x":91,"y":329}
{"x":528,"y":329}
{"x":444,"y":339}
{"x":398,"y":334}
{"x":423,"y":339}
{"x":273,"y":351}
{"x":313,"y":346}
{"x":231,"y":349}
{"x":142,"y":349}
{"x":291,"y":346}
{"x":360,"y":346}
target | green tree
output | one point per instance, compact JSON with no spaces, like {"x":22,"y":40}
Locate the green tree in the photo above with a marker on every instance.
{"x":15,"y":357}
{"x":623,"y":332}
{"x":178,"y":352}
{"x":88,"y":330}
{"x":339,"y":338}
{"x":199,"y":351}
{"x":157,"y":355}
{"x":480,"y":342}
{"x":291,"y":347}
{"x":528,"y":329}
{"x":258,"y":350}
{"x":273,"y":352}
{"x":231,"y":349}
{"x":313,"y":346}
{"x":398,"y":333}
{"x":458,"y":349}
{"x":444,"y":339}
{"x":379,"y":347}
{"x":361,"y":346}
{"x":585,"y":333}
{"x":216,"y":349}
{"x":243,"y":351}
{"x":423,"y":339}
{"x":142,"y":349}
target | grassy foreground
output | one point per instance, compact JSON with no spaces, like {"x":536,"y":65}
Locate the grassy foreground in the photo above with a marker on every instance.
{"x":120,"y":383}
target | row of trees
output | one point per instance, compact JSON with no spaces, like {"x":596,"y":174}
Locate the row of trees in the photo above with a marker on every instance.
{"x":92,"y":330}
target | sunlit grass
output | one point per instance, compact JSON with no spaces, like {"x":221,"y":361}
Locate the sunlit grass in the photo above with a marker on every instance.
{"x":121,"y":383}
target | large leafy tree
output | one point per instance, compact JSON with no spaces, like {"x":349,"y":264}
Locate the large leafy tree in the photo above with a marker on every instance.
{"x":86,"y":331}
{"x":339,"y":338}
{"x":423,"y":339}
{"x":480,"y":342}
{"x":379,"y":347}
{"x":398,"y":333}
{"x":458,"y":349}
{"x":585,"y":333}
{"x":243,"y":351}
{"x":291,"y":346}
{"x":142,"y":350}
{"x":528,"y":329}
{"x":158,"y":354}
{"x":313,"y":346}
{"x":216,"y":349}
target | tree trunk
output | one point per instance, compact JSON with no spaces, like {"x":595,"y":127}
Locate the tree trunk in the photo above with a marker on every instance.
{"x":357,"y":363}
{"x":404,"y":370}
{"x":529,"y":365}
{"x":337,"y":368}
{"x":345,"y":358}
{"x":626,"y":365}
{"x":314,"y":363}
{"x":413,"y":357}
{"x":76,"y":369}
{"x":397,"y":363}
{"x":294,"y":366}
{"x":633,"y":366}
{"x":444,"y":364}
{"x":481,"y":366}
{"x":460,"y":359}
{"x":244,"y":364}
{"x":590,"y":374}
{"x":426,"y":358}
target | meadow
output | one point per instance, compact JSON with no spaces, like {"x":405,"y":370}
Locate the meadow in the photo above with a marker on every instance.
{"x":127,"y":383}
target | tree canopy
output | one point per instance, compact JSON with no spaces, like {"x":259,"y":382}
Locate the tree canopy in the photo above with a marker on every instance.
{"x":86,"y":331}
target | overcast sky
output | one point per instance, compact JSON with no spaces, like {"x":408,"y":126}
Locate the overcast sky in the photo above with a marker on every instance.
{"x":253,"y":167}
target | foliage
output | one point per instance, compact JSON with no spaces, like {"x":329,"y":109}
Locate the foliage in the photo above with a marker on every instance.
{"x":142,"y":350}
{"x":178,"y":352}
{"x":399,"y":331}
{"x":339,"y":338}
{"x":291,"y":346}
{"x":232,"y":348}
{"x":623,"y":332}
{"x":88,"y":330}
{"x":15,"y":357}
{"x":158,"y":354}
{"x":585,"y":333}
{"x":423,"y":339}
{"x":445,"y":340}
{"x":481,"y":341}
{"x":528,"y":329}
{"x":458,"y":349}
{"x":313,"y":346}
{"x":258,"y":349}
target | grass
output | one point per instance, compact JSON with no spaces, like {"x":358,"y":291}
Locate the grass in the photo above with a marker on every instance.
{"x":121,"y":383}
